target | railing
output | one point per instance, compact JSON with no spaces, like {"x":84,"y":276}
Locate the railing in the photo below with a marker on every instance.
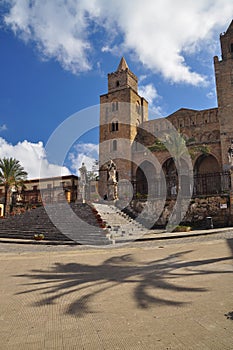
{"x":203,"y":184}
{"x":212,"y":183}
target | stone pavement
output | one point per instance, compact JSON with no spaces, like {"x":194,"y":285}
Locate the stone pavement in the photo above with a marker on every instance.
{"x":143,"y":295}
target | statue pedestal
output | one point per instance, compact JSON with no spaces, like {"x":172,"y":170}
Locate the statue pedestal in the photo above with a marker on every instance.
{"x":112,"y":191}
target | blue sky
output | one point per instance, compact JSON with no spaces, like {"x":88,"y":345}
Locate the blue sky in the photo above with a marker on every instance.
{"x":55,"y":56}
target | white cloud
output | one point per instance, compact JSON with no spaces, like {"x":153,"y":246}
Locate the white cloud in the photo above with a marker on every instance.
{"x":86,"y":153}
{"x":32,"y":157}
{"x":3,"y":127}
{"x":160,"y":34}
{"x":150,"y":93}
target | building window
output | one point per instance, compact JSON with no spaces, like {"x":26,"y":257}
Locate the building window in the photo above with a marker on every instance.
{"x":138,"y":107}
{"x":114,"y":106}
{"x":115,"y":126}
{"x":114,"y":145}
{"x":117,"y":83}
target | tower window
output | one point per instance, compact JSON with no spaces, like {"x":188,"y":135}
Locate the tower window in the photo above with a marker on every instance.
{"x":232,"y":48}
{"x":114,"y":106}
{"x":115,"y":126}
{"x":138,"y":107}
{"x":117,"y":83}
{"x":114,"y":145}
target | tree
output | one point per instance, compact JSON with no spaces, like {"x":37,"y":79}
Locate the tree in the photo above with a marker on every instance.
{"x":12,"y":174}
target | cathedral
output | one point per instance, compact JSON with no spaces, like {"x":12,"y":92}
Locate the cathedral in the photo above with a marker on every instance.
{"x":140,"y":148}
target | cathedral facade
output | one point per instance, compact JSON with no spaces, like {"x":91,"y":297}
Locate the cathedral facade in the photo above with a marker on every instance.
{"x":132,"y":141}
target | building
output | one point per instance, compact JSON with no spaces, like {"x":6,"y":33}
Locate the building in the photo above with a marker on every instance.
{"x":131,"y":140}
{"x":46,"y":191}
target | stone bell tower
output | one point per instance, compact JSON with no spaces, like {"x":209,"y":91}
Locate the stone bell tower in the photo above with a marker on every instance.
{"x":224,"y":86}
{"x":121,"y":111}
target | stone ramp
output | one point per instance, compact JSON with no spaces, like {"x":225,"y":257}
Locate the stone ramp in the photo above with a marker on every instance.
{"x":58,"y":222}
{"x":121,"y":227}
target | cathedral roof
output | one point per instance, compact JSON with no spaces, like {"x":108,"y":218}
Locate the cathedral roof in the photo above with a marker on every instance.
{"x":122,"y":65}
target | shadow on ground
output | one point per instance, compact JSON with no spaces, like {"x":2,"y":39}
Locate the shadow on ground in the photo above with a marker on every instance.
{"x":85,"y":282}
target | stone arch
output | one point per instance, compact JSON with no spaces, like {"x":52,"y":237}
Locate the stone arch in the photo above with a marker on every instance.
{"x":206,"y":164}
{"x":146,"y":179}
{"x":207,"y":177}
{"x":175,"y":183}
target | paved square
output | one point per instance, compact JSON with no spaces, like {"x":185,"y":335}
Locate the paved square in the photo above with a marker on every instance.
{"x":142,"y":296}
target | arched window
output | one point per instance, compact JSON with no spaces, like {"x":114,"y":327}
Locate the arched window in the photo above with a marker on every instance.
{"x":114,"y":145}
{"x":138,"y":108}
{"x":114,"y":106}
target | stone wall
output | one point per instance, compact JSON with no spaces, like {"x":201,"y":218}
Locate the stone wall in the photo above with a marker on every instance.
{"x":217,"y":207}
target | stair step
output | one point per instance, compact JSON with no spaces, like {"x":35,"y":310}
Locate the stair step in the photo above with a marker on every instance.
{"x":69,"y":222}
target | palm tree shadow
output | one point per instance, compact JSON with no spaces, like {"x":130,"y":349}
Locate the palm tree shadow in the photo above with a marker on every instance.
{"x":87,"y":281}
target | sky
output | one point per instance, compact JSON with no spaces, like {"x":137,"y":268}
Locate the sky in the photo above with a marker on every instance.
{"x":55,"y":56}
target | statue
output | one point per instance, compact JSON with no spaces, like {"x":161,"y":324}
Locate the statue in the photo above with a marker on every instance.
{"x":112,"y":181}
{"x":230,"y":153}
{"x":83,"y":181}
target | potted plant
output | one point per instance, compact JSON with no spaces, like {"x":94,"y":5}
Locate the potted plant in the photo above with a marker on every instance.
{"x":38,"y":236}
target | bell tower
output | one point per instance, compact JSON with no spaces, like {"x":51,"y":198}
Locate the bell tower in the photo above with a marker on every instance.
{"x":121,"y":111}
{"x":224,"y":86}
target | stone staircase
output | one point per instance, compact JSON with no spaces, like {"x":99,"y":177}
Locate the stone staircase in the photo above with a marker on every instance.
{"x":121,"y":227}
{"x":58,"y":222}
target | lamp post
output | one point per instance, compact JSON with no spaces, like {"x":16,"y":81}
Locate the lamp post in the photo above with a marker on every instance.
{"x":83,"y":181}
{"x":230,"y":159}
{"x":12,"y":197}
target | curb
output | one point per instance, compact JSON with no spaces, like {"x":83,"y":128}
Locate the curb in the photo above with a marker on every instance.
{"x":195,"y":233}
{"x":151,"y":237}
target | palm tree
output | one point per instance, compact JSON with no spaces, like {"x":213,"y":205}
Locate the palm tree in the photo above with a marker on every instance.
{"x":12,"y":174}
